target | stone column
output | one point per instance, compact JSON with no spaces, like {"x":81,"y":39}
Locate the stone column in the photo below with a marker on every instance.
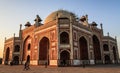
{"x":91,"y":51}
{"x":58,"y":40}
{"x":71,"y":40}
{"x":4,"y":52}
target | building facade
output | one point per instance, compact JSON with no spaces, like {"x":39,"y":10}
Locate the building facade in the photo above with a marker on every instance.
{"x":63,"y":39}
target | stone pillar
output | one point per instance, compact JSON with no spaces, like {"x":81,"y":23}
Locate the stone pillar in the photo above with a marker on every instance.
{"x":71,"y":40}
{"x":101,"y":49}
{"x":12,"y":50}
{"x":91,"y":51}
{"x":21,"y":51}
{"x":58,"y":40}
{"x":4,"y":52}
{"x":20,"y":31}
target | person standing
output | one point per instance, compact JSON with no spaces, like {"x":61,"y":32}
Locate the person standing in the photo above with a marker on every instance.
{"x":25,"y":66}
{"x":28,"y":65}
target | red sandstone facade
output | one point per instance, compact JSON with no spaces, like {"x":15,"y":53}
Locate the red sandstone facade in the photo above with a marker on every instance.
{"x":61,"y":40}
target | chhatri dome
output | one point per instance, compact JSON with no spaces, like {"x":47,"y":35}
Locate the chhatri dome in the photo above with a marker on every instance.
{"x":60,"y":14}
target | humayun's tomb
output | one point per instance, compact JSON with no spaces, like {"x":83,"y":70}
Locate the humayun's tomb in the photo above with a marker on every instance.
{"x":61,"y":39}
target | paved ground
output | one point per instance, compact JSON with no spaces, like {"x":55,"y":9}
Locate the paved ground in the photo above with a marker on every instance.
{"x":42,"y":69}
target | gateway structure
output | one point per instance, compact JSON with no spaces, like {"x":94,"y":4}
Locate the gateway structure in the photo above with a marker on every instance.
{"x":63,"y":39}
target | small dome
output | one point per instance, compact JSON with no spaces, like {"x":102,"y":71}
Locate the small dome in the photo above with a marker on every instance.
{"x":28,"y":24}
{"x":60,"y":14}
{"x":94,"y":23}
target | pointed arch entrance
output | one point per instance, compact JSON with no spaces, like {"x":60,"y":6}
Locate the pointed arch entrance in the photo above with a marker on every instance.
{"x":16,"y":60}
{"x":44,"y":51}
{"x":7,"y":55}
{"x":83,"y":49}
{"x":107,"y":59}
{"x":97,"y":51}
{"x":105,"y":47}
{"x":26,"y":47}
{"x":65,"y":58}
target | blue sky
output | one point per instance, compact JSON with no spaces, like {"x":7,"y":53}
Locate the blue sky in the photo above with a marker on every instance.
{"x":16,"y":12}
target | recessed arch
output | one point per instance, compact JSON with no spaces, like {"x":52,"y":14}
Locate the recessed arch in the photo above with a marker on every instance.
{"x":16,"y":60}
{"x":64,"y":38}
{"x":26,"y":42}
{"x":44,"y":50}
{"x":64,"y":57}
{"x":83,"y":48}
{"x":105,"y":47}
{"x":17,"y":48}
{"x":7,"y":55}
{"x":29,"y":46}
{"x":96,"y":47}
{"x":107,"y":59}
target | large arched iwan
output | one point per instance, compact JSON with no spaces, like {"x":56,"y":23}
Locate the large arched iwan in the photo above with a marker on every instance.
{"x":83,"y":48}
{"x":44,"y":50}
{"x":96,"y":47}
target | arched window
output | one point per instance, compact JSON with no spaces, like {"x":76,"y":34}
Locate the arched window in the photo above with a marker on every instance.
{"x":7,"y":54}
{"x":64,"y":38}
{"x":17,"y":48}
{"x":29,"y":46}
{"x":105,"y":47}
{"x":26,"y":45}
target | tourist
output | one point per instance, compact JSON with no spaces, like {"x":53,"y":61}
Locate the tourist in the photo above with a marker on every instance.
{"x":26,"y":66}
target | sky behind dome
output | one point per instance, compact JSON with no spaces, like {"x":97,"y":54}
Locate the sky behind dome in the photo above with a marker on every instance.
{"x":16,"y":12}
